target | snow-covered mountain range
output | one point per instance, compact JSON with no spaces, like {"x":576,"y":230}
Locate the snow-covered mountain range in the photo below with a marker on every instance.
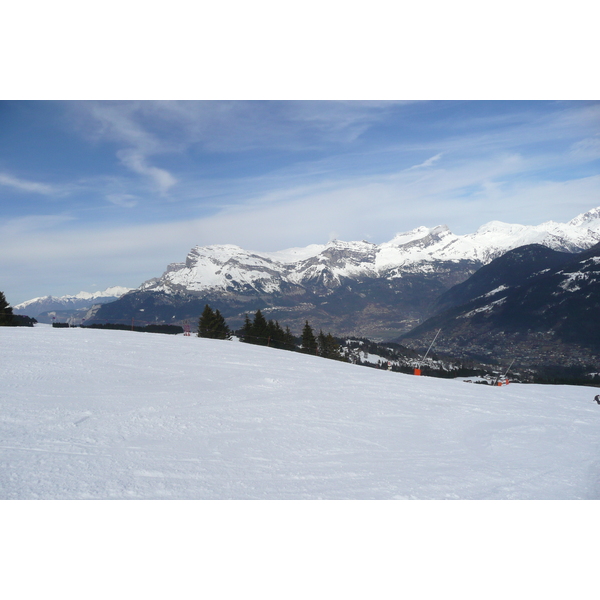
{"x":378,"y":291}
{"x":229,"y":268}
{"x":79,"y":302}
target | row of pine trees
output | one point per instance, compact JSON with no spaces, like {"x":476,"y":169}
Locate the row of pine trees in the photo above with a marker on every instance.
{"x":261,"y":332}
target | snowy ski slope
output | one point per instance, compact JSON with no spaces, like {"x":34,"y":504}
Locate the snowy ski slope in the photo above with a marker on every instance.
{"x":94,"y":414}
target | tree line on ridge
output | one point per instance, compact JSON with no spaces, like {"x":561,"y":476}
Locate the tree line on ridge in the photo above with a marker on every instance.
{"x":270,"y":333}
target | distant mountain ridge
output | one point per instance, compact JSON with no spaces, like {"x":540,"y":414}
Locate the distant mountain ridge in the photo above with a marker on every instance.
{"x":359,"y":288}
{"x":65,"y":305}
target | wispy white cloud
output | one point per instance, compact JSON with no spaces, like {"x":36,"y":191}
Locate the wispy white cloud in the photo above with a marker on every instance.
{"x":24,"y":185}
{"x":137,"y":162}
{"x":125,"y":200}
{"x":587,"y":148}
{"x":240,"y":126}
{"x":32,"y":225}
{"x":149,"y":129}
{"x":147,"y":132}
{"x":428,"y":162}
{"x":118,"y":122}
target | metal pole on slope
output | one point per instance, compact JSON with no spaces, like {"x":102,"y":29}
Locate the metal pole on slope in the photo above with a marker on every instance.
{"x":505,"y":373}
{"x":507,"y":370}
{"x":418,"y":369}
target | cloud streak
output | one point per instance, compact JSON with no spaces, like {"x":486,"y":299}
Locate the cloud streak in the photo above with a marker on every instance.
{"x":24,"y":231}
{"x":429,"y":162}
{"x":124,"y":200}
{"x":137,"y":162}
{"x":24,"y":185}
{"x":117,"y":122}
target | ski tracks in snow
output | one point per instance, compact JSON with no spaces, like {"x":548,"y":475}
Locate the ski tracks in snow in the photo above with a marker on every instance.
{"x":111,"y":414}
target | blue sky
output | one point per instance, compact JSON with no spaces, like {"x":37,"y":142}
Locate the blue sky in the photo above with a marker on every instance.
{"x":101,"y":193}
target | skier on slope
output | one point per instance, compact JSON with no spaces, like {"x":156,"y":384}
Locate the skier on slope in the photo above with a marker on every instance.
{"x":597,"y":399}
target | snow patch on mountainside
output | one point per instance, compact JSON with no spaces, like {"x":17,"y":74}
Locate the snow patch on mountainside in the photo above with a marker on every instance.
{"x":293,"y":255}
{"x":483,"y":309}
{"x":495,"y":291}
{"x":570,"y":283}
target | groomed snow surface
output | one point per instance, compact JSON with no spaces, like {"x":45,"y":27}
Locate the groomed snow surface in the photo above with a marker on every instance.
{"x":118,"y":415}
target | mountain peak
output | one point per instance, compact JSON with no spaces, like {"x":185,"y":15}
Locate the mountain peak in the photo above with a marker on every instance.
{"x":402,"y":239}
{"x":111,"y":292}
{"x":498,"y":227}
{"x":591,"y":217}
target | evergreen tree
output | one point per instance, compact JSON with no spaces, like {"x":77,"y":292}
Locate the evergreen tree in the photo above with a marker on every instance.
{"x":275,"y":334}
{"x":256,"y":331}
{"x":309,"y":343}
{"x":328,"y":347}
{"x":266,"y":333}
{"x":333,"y":349}
{"x":261,"y":330}
{"x":289,"y":341}
{"x":212,"y":325}
{"x":206,"y":322}
{"x":321,"y":343}
{"x":222,"y":331}
{"x":6,"y":313}
{"x":246,"y":332}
